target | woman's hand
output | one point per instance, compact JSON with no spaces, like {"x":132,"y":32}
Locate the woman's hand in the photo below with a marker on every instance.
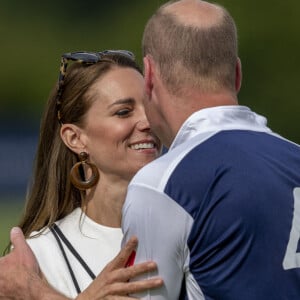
{"x":113,"y":282}
{"x":21,"y":279}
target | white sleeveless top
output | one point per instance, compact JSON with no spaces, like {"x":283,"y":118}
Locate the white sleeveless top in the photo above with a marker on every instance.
{"x":96,"y":244}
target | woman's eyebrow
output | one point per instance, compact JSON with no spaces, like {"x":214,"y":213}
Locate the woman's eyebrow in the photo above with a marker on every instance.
{"x":123,"y":101}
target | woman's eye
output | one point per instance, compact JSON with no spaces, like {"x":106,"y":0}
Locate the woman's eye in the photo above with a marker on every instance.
{"x":123,"y":112}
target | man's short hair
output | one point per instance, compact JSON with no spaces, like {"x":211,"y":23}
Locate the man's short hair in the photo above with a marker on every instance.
{"x":191,"y":56}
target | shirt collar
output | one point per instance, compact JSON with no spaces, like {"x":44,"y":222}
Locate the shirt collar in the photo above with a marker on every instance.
{"x":220,"y":118}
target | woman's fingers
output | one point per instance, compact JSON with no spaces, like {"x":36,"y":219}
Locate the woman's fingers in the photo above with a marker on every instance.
{"x":116,"y":281}
{"x":126,"y":288}
{"x":122,"y":258}
{"x":121,"y":290}
{"x":125,"y":274}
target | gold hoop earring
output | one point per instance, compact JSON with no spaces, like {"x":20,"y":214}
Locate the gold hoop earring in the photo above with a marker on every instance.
{"x":75,"y":174}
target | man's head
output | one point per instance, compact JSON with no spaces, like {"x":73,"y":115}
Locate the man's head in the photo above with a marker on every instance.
{"x":191,"y":46}
{"x":194,"y":44}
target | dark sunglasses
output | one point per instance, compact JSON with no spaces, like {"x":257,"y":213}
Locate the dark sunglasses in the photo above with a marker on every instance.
{"x":84,"y":57}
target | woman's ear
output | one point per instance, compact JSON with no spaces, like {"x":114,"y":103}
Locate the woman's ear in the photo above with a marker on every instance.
{"x":72,"y":136}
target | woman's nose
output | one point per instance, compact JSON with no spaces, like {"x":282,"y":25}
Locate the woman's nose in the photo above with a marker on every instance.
{"x":143,"y":124}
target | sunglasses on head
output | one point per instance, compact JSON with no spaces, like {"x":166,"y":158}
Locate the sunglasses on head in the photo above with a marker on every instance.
{"x":84,"y":57}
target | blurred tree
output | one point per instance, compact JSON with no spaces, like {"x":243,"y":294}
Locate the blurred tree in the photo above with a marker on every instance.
{"x":35,"y":33}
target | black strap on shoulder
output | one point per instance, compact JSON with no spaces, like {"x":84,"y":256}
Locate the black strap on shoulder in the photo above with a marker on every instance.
{"x":60,"y":236}
{"x":67,"y":261}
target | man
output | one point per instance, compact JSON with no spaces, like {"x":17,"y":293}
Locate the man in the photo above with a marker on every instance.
{"x":219,"y":213}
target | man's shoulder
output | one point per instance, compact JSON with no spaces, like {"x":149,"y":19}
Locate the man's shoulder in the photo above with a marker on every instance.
{"x":156,"y":173}
{"x":152,"y":173}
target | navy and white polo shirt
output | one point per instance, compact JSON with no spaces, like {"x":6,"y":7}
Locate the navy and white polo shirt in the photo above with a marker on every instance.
{"x":220,"y":212}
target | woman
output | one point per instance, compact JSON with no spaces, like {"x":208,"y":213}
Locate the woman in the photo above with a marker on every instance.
{"x":95,"y":129}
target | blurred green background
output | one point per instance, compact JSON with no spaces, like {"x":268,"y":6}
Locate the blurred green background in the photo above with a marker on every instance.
{"x":34,"y":34}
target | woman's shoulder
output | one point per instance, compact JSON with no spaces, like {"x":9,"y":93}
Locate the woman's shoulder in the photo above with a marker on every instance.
{"x":43,"y":240}
{"x":51,"y":261}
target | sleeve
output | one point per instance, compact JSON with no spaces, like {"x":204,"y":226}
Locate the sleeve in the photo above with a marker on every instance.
{"x":161,"y":227}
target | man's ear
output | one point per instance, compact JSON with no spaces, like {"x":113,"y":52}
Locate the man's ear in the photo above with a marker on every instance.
{"x":238,"y":75}
{"x":72,"y":137}
{"x":148,"y":74}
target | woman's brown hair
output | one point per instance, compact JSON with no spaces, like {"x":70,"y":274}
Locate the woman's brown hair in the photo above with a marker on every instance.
{"x":51,"y":195}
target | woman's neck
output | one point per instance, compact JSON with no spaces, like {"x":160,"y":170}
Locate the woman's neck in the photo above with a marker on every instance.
{"x":104,"y":203}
